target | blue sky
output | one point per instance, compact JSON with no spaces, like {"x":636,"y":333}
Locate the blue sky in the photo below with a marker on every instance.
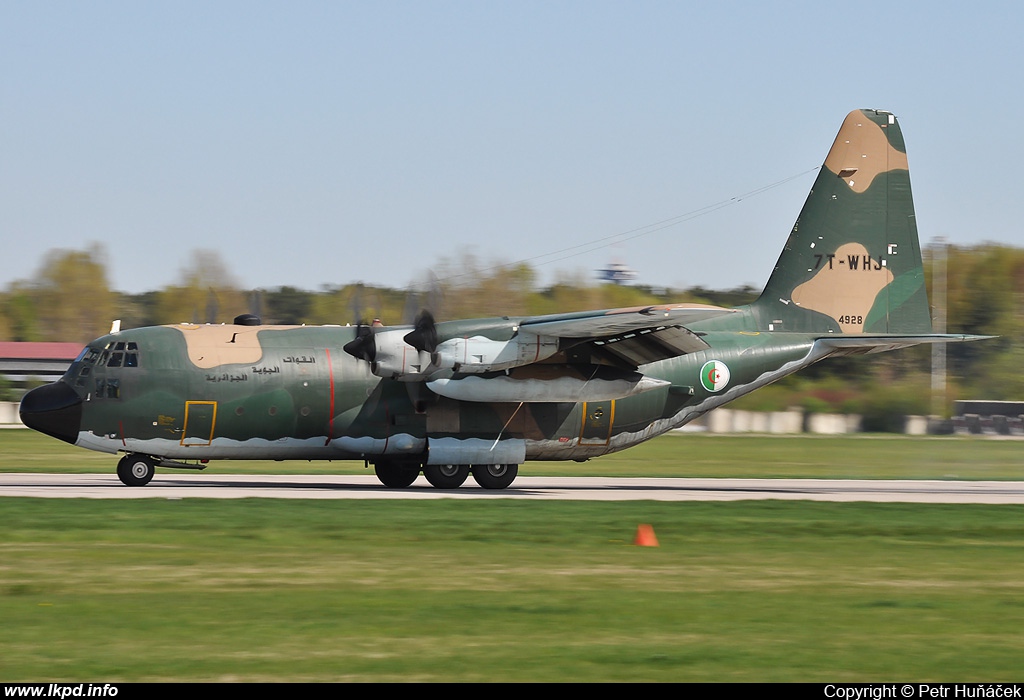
{"x":313,"y":143}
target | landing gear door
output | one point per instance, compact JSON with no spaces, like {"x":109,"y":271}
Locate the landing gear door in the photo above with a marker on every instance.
{"x":200,"y":420}
{"x":598,"y":417}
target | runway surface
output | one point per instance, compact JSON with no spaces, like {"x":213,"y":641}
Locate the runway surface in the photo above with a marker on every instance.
{"x":176,"y":486}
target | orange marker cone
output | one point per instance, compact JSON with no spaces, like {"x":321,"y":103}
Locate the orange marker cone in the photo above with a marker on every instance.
{"x":645,"y":536}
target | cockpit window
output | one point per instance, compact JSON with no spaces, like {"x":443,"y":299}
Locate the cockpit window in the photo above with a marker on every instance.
{"x":120,"y":354}
{"x":83,"y":365}
{"x":108,"y":389}
{"x":91,"y":368}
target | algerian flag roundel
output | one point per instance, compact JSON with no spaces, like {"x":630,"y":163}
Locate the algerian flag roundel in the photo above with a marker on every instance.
{"x":714,"y":375}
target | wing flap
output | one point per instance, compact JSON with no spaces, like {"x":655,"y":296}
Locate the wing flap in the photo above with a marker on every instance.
{"x":611,"y":322}
{"x":648,"y":345}
{"x":628,"y":337}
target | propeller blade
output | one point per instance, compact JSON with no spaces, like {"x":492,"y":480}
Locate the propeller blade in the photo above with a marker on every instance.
{"x":363,"y":346}
{"x":423,"y":336}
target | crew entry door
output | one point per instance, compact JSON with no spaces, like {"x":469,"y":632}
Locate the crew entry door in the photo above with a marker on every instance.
{"x":598,"y":417}
{"x":200,"y":420}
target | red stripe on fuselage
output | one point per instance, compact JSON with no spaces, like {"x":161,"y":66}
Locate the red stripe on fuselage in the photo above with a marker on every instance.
{"x":330,"y":415}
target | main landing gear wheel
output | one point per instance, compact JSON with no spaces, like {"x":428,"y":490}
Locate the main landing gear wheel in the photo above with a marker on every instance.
{"x":446,"y":476}
{"x":395,"y":476}
{"x":495,"y":476}
{"x":136,"y":470}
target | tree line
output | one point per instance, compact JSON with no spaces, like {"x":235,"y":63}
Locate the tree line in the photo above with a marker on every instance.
{"x":69,"y":299}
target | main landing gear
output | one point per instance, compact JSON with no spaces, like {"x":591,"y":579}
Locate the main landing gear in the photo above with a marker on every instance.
{"x":495,"y":476}
{"x":395,"y":476}
{"x":138,"y":470}
{"x":447,"y":476}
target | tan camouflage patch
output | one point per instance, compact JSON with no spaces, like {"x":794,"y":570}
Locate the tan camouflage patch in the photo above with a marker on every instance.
{"x":861,"y":151}
{"x":212,"y":346}
{"x":843,"y":293}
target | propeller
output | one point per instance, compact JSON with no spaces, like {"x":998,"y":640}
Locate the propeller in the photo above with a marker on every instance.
{"x":212,"y":306}
{"x":363,"y":346}
{"x":390,"y":355}
{"x":435,"y":295}
{"x":426,"y":294}
{"x":256,"y":303}
{"x":423,"y":336}
{"x":356,"y":304}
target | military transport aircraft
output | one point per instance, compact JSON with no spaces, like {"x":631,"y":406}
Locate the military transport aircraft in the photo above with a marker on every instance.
{"x":482,"y":396}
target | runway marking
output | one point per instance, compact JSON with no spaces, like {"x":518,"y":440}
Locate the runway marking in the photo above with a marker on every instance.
{"x":176,"y":486}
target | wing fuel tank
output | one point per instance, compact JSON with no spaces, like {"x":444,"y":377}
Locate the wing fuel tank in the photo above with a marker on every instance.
{"x":555,"y":384}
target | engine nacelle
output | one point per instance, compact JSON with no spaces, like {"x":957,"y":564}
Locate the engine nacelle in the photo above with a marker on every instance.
{"x":396,"y":359}
{"x":478,"y":354}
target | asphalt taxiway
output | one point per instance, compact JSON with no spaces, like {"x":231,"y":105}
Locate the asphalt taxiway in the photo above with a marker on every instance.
{"x":176,"y":486}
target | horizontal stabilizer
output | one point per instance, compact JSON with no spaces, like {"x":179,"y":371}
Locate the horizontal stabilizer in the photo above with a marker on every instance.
{"x":866,"y":344}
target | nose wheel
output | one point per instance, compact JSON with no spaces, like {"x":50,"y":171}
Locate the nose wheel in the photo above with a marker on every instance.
{"x":136,"y":470}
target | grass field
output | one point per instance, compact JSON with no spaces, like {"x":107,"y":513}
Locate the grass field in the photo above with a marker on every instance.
{"x":509,"y":590}
{"x":195,"y":590}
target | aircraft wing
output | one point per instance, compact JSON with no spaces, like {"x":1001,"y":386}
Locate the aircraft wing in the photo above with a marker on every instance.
{"x":594,"y":355}
{"x":597,"y":324}
{"x":631,"y":336}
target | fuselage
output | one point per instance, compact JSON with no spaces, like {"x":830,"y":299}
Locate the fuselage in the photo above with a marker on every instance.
{"x":207,"y":392}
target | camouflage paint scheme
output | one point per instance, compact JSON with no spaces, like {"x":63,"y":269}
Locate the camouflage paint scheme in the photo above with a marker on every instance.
{"x":849,"y":281}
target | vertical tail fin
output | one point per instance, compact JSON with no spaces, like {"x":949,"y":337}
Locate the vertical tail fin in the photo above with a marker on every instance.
{"x":852,"y":263}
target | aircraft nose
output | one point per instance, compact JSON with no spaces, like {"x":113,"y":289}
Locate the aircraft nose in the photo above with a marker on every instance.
{"x":54,"y":409}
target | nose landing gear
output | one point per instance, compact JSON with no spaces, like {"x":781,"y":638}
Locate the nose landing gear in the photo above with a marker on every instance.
{"x":136,"y":470}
